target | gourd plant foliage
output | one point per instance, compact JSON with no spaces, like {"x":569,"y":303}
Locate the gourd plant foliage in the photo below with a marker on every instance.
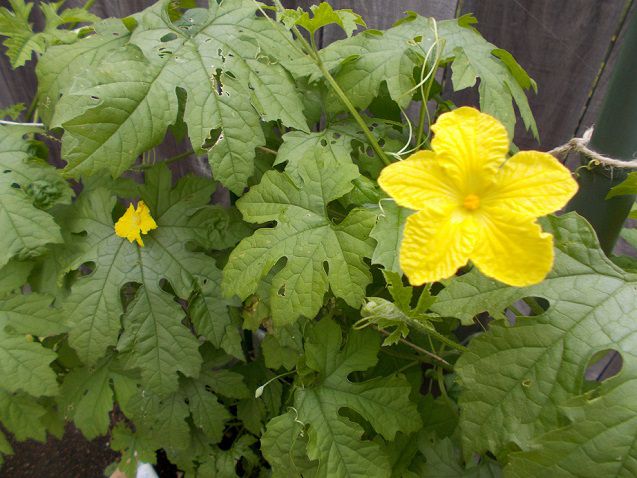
{"x":271,"y":333}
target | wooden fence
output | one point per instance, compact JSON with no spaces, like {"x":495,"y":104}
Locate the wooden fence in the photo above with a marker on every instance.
{"x":568,"y":46}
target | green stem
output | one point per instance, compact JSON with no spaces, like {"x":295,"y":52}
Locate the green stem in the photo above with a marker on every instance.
{"x":312,"y":50}
{"x":434,"y":333}
{"x":267,"y":150}
{"x":357,"y":117}
{"x":421,"y":122}
{"x":419,"y":358}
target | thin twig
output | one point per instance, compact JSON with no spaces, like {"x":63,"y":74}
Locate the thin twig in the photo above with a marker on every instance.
{"x":417,"y":348}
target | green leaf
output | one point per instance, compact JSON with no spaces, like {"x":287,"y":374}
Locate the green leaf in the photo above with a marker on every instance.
{"x":628,"y":186}
{"x":31,"y":314}
{"x":226,"y":60}
{"x":22,"y":41}
{"x":133,"y":447}
{"x":502,"y":79}
{"x":299,"y":147}
{"x":362,"y":63}
{"x":226,"y":382}
{"x":13,"y":275}
{"x":209,"y":313}
{"x":388,"y":233}
{"x":26,"y":229}
{"x":60,"y":66}
{"x":323,"y":15}
{"x":25,"y":365}
{"x":282,"y":347}
{"x":163,"y":419}
{"x":13,"y":111}
{"x":334,"y":440}
{"x":283,"y":445}
{"x":207,"y":413}
{"x":86,"y":396}
{"x":306,"y":237}
{"x":5,"y":447}
{"x":444,"y":460}
{"x":159,"y":344}
{"x":600,"y":441}
{"x":94,"y":305}
{"x":543,"y":359}
{"x":22,"y":415}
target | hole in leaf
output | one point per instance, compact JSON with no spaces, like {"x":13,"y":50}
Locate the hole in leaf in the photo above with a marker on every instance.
{"x":531,"y":306}
{"x":326,"y":267}
{"x":229,"y":74}
{"x":281,"y":291}
{"x":168,"y":37}
{"x":323,"y":143}
{"x":336,"y":135}
{"x":87,"y":268}
{"x":96,"y":98}
{"x":603,"y":365}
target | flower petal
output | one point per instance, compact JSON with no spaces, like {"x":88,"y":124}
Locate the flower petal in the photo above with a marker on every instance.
{"x":531,"y":183}
{"x":436,"y":243}
{"x":126,"y":227}
{"x":513,"y":250}
{"x":417,"y":182}
{"x":146,"y":221}
{"x":470,"y":146}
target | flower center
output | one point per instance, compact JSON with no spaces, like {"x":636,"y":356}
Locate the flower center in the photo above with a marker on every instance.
{"x":471,"y":202}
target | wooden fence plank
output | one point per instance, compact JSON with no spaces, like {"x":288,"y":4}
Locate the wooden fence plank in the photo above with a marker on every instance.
{"x":382,"y":14}
{"x":562,"y":45}
{"x":594,"y":105}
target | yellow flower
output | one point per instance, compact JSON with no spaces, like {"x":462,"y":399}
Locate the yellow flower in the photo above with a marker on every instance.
{"x":473,"y":204}
{"x":135,"y":222}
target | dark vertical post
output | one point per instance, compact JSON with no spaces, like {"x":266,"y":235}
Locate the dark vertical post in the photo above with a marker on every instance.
{"x":615,"y":136}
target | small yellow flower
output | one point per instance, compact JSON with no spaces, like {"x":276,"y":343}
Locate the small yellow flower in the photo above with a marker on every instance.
{"x":135,"y":222}
{"x":473,"y":204}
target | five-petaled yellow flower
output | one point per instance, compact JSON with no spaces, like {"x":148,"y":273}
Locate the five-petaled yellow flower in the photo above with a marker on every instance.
{"x":474,"y":204}
{"x":135,"y":222}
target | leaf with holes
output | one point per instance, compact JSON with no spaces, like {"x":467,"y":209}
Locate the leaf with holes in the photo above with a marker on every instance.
{"x":517,"y":379}
{"x":335,"y":441}
{"x":227,"y":61}
{"x":320,"y":255}
{"x":154,"y":334}
{"x":60,"y":65}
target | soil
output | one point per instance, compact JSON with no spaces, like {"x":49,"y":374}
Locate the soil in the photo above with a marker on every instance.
{"x":71,"y":457}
